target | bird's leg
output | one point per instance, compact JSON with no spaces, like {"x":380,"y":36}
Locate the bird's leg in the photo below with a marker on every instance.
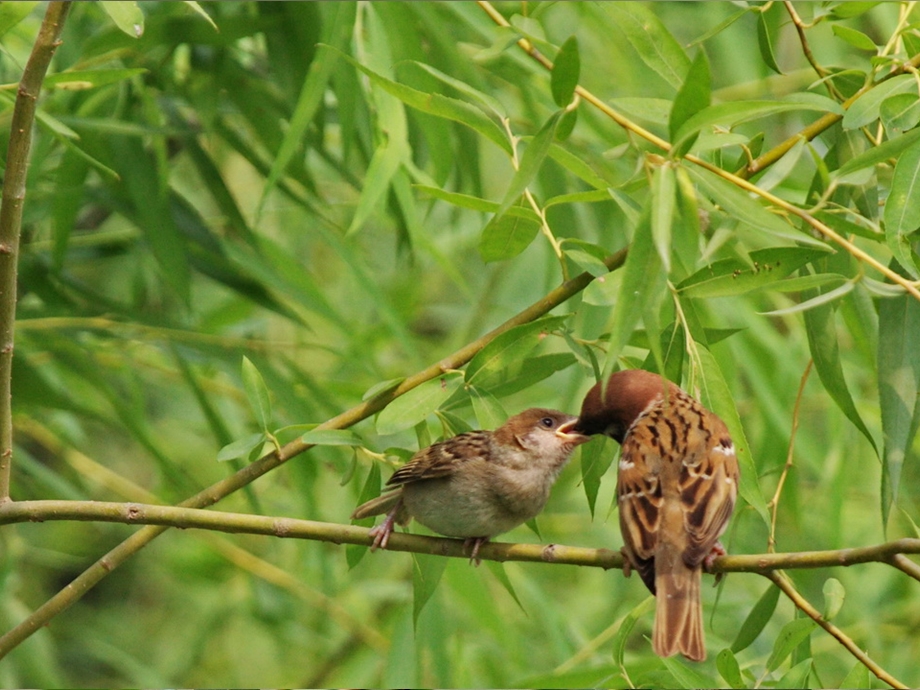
{"x":716,"y":551}
{"x":382,"y":532}
{"x":475,"y":542}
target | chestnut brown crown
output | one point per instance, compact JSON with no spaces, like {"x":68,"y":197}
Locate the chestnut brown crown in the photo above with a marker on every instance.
{"x":626,"y":395}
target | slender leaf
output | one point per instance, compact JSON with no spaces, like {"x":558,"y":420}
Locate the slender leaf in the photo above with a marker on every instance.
{"x":596,"y":457}
{"x":825,"y":351}
{"x":695,"y":95}
{"x":566,"y":69}
{"x":257,"y":394}
{"x":414,"y":406}
{"x":793,"y":633}
{"x":462,"y":200}
{"x":663,"y":201}
{"x":651,"y":40}
{"x":507,"y":235}
{"x":877,"y":154}
{"x":729,"y":669}
{"x":531,"y":160}
{"x":899,"y":388}
{"x":426,"y":574}
{"x":865,"y":109}
{"x":509,"y":348}
{"x":855,"y":38}
{"x":626,"y":627}
{"x":766,"y":37}
{"x":902,"y":210}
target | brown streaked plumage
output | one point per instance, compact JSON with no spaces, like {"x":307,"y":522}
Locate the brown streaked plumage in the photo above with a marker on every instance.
{"x":676,"y":487}
{"x":481,"y":483}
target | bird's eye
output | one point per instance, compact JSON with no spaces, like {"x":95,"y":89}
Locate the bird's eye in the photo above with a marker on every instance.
{"x":548,"y":422}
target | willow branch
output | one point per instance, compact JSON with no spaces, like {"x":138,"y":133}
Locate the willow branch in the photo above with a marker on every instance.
{"x":13,"y":199}
{"x":292,"y":528}
{"x":782,"y":581}
{"x":739,"y":180}
{"x":214,"y":493}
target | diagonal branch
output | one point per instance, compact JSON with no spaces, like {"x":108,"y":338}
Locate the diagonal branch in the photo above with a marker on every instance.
{"x":214,"y":493}
{"x":781,"y":580}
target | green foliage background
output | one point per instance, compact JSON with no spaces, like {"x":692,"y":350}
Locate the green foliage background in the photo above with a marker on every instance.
{"x":314,"y":186}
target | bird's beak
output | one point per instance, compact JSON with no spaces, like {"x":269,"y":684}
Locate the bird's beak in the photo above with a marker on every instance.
{"x":568,"y":433}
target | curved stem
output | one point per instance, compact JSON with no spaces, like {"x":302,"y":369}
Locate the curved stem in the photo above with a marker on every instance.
{"x":782,"y":581}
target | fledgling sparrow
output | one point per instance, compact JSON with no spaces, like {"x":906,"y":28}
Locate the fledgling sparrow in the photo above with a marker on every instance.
{"x":676,"y":488}
{"x":481,"y":483}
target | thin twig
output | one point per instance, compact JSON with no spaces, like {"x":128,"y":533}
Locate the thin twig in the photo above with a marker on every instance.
{"x":11,"y":205}
{"x":214,"y":493}
{"x":790,"y":455}
{"x":782,"y":581}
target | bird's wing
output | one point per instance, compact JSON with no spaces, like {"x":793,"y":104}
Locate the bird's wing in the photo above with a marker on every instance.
{"x":640,"y":500}
{"x":442,"y":459}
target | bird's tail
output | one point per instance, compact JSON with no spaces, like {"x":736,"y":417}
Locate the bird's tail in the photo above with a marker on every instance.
{"x":378,"y":506}
{"x":678,"y":613}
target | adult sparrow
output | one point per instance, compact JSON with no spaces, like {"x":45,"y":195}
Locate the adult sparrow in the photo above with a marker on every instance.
{"x":480,"y":483}
{"x":676,"y":488}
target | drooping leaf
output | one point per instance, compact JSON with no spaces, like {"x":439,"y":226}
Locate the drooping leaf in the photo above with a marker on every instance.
{"x":626,"y":627}
{"x":507,"y":235}
{"x":565,"y":74}
{"x":426,"y":574}
{"x":899,"y":388}
{"x":694,"y":95}
{"x":596,"y":457}
{"x":651,"y":40}
{"x":766,"y":36}
{"x":825,"y":351}
{"x":792,"y":634}
{"x":531,"y":160}
{"x":663,"y":202}
{"x":902,"y":210}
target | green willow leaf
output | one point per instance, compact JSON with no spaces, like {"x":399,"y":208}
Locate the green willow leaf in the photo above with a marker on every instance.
{"x":596,"y":458}
{"x":855,"y":38}
{"x":474,"y":203}
{"x":414,"y":406}
{"x":507,"y":235}
{"x":664,"y":191}
{"x":257,"y":394}
{"x":865,"y":109}
{"x":508,"y":349}
{"x":900,"y":113}
{"x":439,"y":106}
{"x":531,"y":160}
{"x":902,"y":210}
{"x":652,"y":41}
{"x":877,"y":154}
{"x":426,"y":574}
{"x":791,"y":636}
{"x":729,"y":669}
{"x":685,"y":675}
{"x":626,"y":627}
{"x":332,"y":437}
{"x":825,"y":351}
{"x":899,"y":389}
{"x":695,"y":95}
{"x":765,"y":40}
{"x":566,"y":71}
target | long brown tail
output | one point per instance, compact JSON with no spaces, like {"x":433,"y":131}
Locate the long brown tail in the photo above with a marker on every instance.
{"x":678,"y":613}
{"x":377,"y":506}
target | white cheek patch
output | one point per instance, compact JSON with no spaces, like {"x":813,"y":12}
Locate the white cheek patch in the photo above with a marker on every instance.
{"x":627,"y":464}
{"x":725,"y":450}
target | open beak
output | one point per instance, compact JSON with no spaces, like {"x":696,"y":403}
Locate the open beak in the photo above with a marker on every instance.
{"x":568,"y":434}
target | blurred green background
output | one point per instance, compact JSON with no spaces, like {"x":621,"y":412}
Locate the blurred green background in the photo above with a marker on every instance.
{"x":200,"y":194}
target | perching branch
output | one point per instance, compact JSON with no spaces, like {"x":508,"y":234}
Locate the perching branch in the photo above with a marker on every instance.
{"x":13,"y":199}
{"x":292,"y":528}
{"x":214,"y":493}
{"x":160,"y":517}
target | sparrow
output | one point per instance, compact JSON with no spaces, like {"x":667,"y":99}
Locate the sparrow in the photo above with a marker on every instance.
{"x":481,"y":483}
{"x":676,"y":488}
